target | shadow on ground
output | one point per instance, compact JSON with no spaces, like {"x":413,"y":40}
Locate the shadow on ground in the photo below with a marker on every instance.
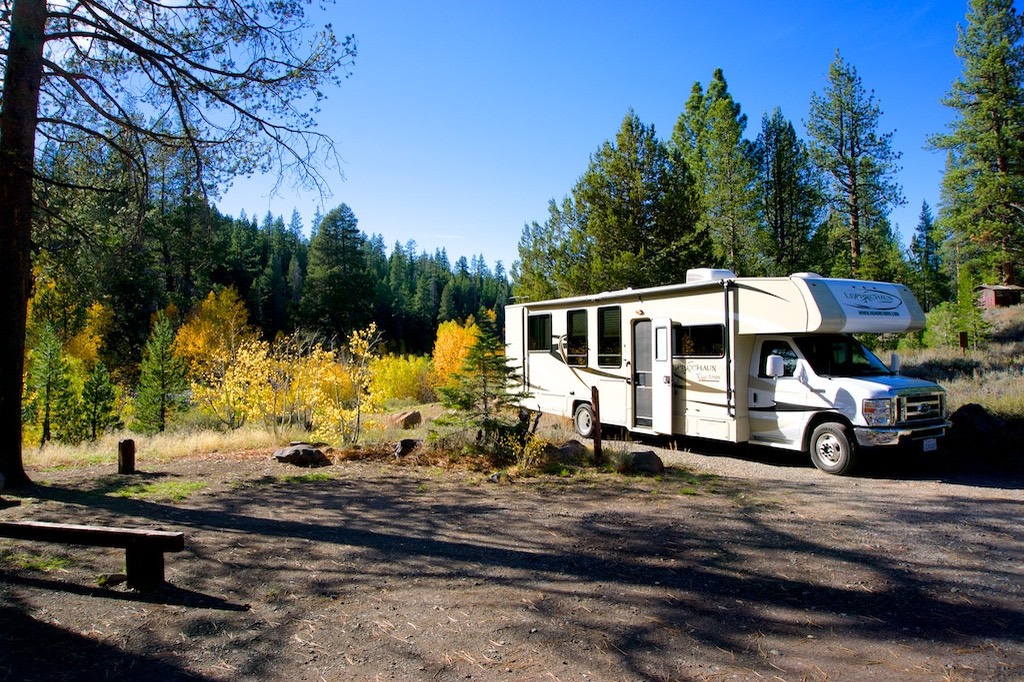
{"x":618,"y":576}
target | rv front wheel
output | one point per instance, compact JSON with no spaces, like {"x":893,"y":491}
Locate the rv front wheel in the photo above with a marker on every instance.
{"x":583,"y":420}
{"x":832,"y":448}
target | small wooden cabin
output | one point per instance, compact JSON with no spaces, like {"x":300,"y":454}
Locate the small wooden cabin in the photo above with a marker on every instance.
{"x":999,"y":295}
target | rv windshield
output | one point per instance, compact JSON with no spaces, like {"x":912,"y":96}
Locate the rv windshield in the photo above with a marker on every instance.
{"x":838,"y":355}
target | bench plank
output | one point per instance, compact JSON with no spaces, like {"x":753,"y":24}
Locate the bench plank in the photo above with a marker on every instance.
{"x":144,"y":548}
{"x":100,"y":536}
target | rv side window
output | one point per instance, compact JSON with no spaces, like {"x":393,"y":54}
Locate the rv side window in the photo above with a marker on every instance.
{"x":539,"y":332}
{"x":576,"y":337}
{"x":699,"y":340}
{"x":609,"y":336}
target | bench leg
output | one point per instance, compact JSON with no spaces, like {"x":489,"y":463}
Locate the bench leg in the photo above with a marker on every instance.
{"x":144,"y":568}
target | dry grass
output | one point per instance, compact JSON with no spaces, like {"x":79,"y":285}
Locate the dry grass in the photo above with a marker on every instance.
{"x":161,"y":447}
{"x":189,"y":441}
{"x":991,"y":376}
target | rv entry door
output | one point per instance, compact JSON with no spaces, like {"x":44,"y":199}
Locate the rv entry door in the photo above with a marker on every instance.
{"x":662,"y":385}
{"x":652,"y":375}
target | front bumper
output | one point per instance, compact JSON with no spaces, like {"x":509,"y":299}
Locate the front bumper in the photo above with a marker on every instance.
{"x":868,"y":437}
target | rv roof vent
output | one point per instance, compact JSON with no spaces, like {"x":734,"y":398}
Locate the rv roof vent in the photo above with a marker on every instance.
{"x":807,"y":275}
{"x":708,"y":275}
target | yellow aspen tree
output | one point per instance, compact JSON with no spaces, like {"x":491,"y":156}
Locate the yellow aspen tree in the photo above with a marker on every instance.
{"x":331,"y":415}
{"x":213,"y":333}
{"x":85,"y":345}
{"x":362,"y":348}
{"x":301,"y":367}
{"x":242,"y":391}
{"x":451,"y":348}
{"x":394,"y":377}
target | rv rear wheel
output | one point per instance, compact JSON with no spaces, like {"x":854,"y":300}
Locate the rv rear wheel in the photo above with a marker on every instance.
{"x":832,"y":448}
{"x":583,"y":420}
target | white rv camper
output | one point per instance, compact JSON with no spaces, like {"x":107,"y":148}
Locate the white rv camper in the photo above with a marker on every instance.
{"x":769,"y":361}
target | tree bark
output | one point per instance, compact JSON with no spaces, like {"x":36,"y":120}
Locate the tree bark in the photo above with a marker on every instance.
{"x":18,"y":120}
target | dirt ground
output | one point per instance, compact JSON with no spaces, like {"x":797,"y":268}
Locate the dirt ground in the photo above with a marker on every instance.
{"x":730,"y":566}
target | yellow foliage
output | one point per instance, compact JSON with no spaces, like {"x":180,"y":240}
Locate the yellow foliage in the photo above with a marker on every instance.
{"x":401,"y":378}
{"x":341,"y":391}
{"x":298,"y":382}
{"x":451,"y":347}
{"x":333,"y":414}
{"x":85,"y":345}
{"x":209,"y":339}
{"x":241,"y":391}
{"x":317,"y":387}
{"x":299,"y":369}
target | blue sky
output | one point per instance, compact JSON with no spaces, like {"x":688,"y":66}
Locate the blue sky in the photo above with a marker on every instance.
{"x":461,"y":120}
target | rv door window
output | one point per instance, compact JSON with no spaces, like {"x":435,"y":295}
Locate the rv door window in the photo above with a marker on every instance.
{"x":539,"y":333}
{"x":699,"y":340}
{"x":783,"y":350}
{"x":609,"y":336}
{"x":661,"y":344}
{"x":576,"y":337}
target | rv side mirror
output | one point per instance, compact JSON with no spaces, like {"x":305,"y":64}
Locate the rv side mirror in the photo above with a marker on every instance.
{"x":894,"y":363}
{"x":775,"y":366}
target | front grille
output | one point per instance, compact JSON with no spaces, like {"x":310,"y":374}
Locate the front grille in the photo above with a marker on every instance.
{"x":923,"y":407}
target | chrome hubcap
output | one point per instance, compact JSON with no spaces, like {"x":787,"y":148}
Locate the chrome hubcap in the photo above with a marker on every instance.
{"x":830,"y":449}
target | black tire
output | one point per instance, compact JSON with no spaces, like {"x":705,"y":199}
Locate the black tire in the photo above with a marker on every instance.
{"x":832,"y":449}
{"x":583,"y":420}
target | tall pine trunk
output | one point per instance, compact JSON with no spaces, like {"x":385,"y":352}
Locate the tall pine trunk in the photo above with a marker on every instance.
{"x":18,"y":119}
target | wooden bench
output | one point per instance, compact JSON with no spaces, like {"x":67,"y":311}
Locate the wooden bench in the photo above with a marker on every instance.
{"x":144,"y":548}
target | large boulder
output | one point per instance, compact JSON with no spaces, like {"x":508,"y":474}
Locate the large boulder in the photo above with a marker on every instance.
{"x":405,"y":447}
{"x":409,"y":419}
{"x":572,"y":452}
{"x":972,"y":422}
{"x":646,"y":462}
{"x":302,"y":455}
{"x":984,"y":440}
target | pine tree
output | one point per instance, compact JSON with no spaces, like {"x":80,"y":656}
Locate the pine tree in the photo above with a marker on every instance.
{"x":339,"y":292}
{"x":162,"y":382}
{"x":983,"y":186}
{"x":927,"y":282}
{"x":635,"y":213}
{"x":50,"y":380}
{"x":709,"y":136}
{"x":479,"y":391}
{"x":858,"y":161}
{"x":98,"y":397}
{"x":449,"y":309}
{"x":789,"y":194}
{"x":549,"y":263}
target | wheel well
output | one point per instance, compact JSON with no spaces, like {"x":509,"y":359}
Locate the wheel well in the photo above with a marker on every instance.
{"x":820,"y":419}
{"x":576,"y":404}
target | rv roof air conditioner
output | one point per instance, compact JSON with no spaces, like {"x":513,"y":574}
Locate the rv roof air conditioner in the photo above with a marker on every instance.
{"x":806,"y":275}
{"x":708,"y":275}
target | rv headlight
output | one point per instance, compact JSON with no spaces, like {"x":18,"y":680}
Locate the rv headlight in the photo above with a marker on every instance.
{"x":878,"y":412}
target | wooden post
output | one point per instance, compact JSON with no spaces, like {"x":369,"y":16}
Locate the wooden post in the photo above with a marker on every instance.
{"x":144,"y":567}
{"x":126,"y":456}
{"x":595,"y":405}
